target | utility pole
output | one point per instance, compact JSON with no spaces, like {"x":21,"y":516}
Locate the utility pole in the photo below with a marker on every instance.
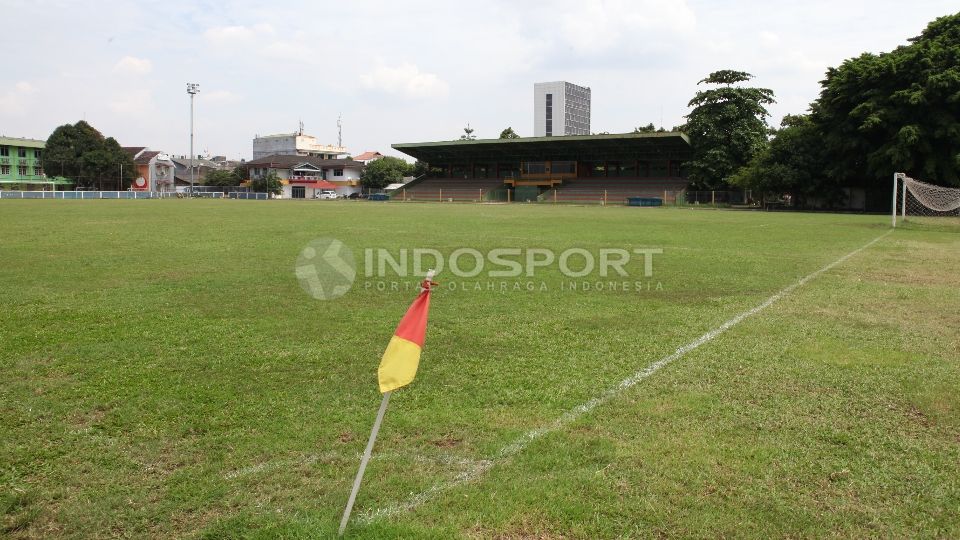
{"x":192,"y":89}
{"x":339,"y":132}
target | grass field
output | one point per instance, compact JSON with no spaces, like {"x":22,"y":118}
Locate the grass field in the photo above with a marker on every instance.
{"x":164,"y":375}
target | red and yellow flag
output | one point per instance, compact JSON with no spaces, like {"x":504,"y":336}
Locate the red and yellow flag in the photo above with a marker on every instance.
{"x":399,"y":364}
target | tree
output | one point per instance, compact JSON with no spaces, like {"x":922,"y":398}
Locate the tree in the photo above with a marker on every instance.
{"x":509,"y":133}
{"x":268,"y":183}
{"x":794,"y":163}
{"x":727,"y":127}
{"x":896,"y":111}
{"x":385,"y":171}
{"x":221,"y":179}
{"x":649,"y":128}
{"x":242,"y":173}
{"x":468,"y":134}
{"x":84,"y":155}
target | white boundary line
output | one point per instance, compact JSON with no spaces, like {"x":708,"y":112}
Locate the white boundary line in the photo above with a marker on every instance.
{"x":575,"y":413}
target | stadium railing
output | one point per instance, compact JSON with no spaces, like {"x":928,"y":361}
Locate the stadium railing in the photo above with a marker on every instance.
{"x":12,"y":194}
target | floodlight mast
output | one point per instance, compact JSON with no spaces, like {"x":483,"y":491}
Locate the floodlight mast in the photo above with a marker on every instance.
{"x":192,"y":89}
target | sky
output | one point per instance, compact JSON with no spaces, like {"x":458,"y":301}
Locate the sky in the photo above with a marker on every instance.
{"x":409,"y":71}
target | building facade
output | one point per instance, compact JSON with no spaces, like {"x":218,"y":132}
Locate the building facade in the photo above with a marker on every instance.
{"x":560,"y":108}
{"x":20,"y":162}
{"x":305,"y":176}
{"x":294,"y":144}
{"x":155,"y":170}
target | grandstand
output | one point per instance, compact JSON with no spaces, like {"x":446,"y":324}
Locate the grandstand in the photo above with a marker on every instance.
{"x":588,"y":168}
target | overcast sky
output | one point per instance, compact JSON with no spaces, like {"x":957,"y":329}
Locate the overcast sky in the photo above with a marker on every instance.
{"x":409,"y":71}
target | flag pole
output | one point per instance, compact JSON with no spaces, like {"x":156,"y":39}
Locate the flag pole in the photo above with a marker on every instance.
{"x":424,"y":286}
{"x":363,"y":462}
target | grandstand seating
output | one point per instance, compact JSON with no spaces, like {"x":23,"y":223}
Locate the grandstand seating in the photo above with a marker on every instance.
{"x":616,"y":190}
{"x":450,"y":189}
{"x":586,"y":190}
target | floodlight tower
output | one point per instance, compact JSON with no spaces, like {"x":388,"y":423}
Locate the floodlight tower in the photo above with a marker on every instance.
{"x":192,"y":89}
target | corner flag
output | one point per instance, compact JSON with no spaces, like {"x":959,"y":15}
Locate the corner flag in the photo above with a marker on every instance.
{"x":399,"y":364}
{"x":397,"y":368}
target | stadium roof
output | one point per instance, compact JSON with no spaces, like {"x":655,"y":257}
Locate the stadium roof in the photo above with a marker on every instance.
{"x":671,"y":144}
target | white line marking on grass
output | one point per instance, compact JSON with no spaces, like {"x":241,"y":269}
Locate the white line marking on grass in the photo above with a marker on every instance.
{"x":445,"y":460}
{"x":480,"y":467}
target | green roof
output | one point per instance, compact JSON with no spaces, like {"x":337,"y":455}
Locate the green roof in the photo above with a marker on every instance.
{"x":26,"y":143}
{"x":56,"y":180}
{"x":670,"y":144}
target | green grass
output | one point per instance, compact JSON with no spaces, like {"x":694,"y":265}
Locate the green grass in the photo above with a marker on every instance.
{"x":164,"y":375}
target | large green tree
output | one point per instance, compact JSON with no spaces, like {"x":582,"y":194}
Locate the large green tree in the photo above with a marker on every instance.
{"x":385,"y":171}
{"x":82,"y":154}
{"x":468,"y":134}
{"x":221,"y":179}
{"x":793,"y":163}
{"x":268,"y":183}
{"x":509,"y":133}
{"x":649,"y":128}
{"x":727,"y":127}
{"x":896,"y":111}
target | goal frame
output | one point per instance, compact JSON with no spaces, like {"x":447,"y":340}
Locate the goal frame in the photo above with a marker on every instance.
{"x":898,"y":178}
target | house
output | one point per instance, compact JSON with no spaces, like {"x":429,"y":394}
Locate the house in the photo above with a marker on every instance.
{"x":155,"y":169}
{"x":304,"y":176}
{"x":367,"y":157}
{"x":201,"y":167}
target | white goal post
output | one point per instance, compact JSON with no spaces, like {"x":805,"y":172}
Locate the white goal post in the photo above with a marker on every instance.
{"x":913,"y":198}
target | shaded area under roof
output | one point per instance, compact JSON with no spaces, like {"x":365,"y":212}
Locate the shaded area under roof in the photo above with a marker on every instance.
{"x":672,"y":145}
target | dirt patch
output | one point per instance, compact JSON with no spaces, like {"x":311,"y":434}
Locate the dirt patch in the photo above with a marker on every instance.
{"x":447,"y":442}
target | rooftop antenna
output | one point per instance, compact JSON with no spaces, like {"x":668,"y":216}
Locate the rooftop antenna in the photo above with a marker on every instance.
{"x":301,"y":127}
{"x":339,"y":131}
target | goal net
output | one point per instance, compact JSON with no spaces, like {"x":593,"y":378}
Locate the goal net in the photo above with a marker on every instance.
{"x":922,"y":203}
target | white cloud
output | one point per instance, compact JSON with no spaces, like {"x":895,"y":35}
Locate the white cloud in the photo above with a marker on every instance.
{"x":17,"y":100}
{"x":133,"y":103}
{"x":133,"y":65}
{"x":769,"y":38}
{"x":219,"y":97}
{"x":405,"y":79}
{"x":232,"y":35}
{"x":592,"y":26}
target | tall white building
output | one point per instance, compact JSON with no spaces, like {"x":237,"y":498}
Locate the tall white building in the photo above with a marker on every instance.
{"x":294,"y":144}
{"x":560,"y":108}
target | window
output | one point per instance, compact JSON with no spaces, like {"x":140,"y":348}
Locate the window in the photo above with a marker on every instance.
{"x":549,"y":111}
{"x":563,"y":167}
{"x":659,"y":168}
{"x":21,"y":170}
{"x":21,"y":152}
{"x":38,"y":170}
{"x":338,"y":172}
{"x":4,"y":151}
{"x":4,"y":170}
{"x":534,"y":167}
{"x":36,"y":154}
